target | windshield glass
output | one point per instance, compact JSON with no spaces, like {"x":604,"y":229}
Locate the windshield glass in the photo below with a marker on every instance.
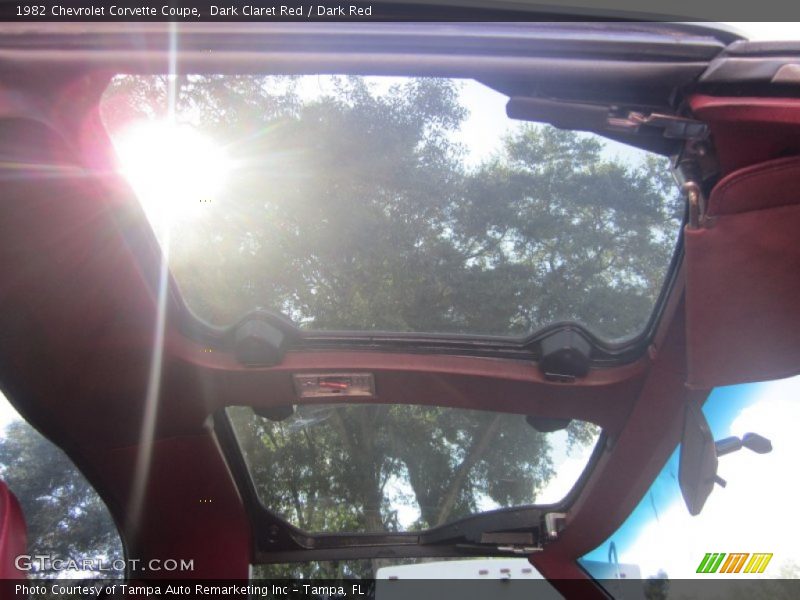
{"x":391,"y":204}
{"x":746,"y":530}
{"x":385,"y":468}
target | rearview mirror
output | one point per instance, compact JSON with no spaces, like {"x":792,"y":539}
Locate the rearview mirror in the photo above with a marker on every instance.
{"x":697,"y":472}
{"x":698,"y":460}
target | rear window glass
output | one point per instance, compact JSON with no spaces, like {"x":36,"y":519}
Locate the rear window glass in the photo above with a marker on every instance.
{"x":388,"y":468}
{"x":391,"y":204}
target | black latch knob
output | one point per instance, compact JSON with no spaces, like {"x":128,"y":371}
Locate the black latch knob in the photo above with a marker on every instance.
{"x":565,"y":355}
{"x":259,"y":344}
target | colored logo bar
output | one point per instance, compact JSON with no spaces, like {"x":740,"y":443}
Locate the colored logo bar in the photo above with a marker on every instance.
{"x":736,"y":562}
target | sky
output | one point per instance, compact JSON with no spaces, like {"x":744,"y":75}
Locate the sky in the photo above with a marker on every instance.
{"x":768,"y":31}
{"x":748,"y":515}
{"x":487,"y":124}
{"x":482,"y":135}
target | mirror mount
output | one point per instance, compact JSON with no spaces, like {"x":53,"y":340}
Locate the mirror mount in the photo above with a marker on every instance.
{"x":751,"y":441}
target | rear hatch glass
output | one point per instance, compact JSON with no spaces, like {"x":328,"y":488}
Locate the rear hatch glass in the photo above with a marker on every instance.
{"x":392,"y":204}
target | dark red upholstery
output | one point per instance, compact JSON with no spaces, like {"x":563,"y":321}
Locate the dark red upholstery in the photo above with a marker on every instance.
{"x":750,"y":131}
{"x":766,"y":185}
{"x":13,"y":534}
{"x":743,"y":278}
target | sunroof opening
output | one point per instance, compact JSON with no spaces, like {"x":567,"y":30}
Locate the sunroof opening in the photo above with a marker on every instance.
{"x":367,"y":468}
{"x":391,"y":204}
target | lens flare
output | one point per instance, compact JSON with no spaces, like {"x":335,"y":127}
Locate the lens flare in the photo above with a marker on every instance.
{"x":174,"y":169}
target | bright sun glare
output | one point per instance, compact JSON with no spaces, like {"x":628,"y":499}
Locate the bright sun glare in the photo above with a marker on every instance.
{"x":173,"y":169}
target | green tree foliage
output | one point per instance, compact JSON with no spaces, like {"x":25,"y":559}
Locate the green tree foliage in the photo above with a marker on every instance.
{"x":337,"y":468}
{"x":355,"y":468}
{"x":356,"y":209}
{"x":657,"y":586}
{"x":66,"y":518}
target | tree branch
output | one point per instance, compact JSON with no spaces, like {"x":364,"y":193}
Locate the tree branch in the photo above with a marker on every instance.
{"x":473,"y":456}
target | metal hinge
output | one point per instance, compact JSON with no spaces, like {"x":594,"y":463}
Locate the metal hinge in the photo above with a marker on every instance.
{"x":515,"y":542}
{"x":697,"y":205}
{"x":554,"y":524}
{"x":520,"y":549}
{"x":673,"y":127}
